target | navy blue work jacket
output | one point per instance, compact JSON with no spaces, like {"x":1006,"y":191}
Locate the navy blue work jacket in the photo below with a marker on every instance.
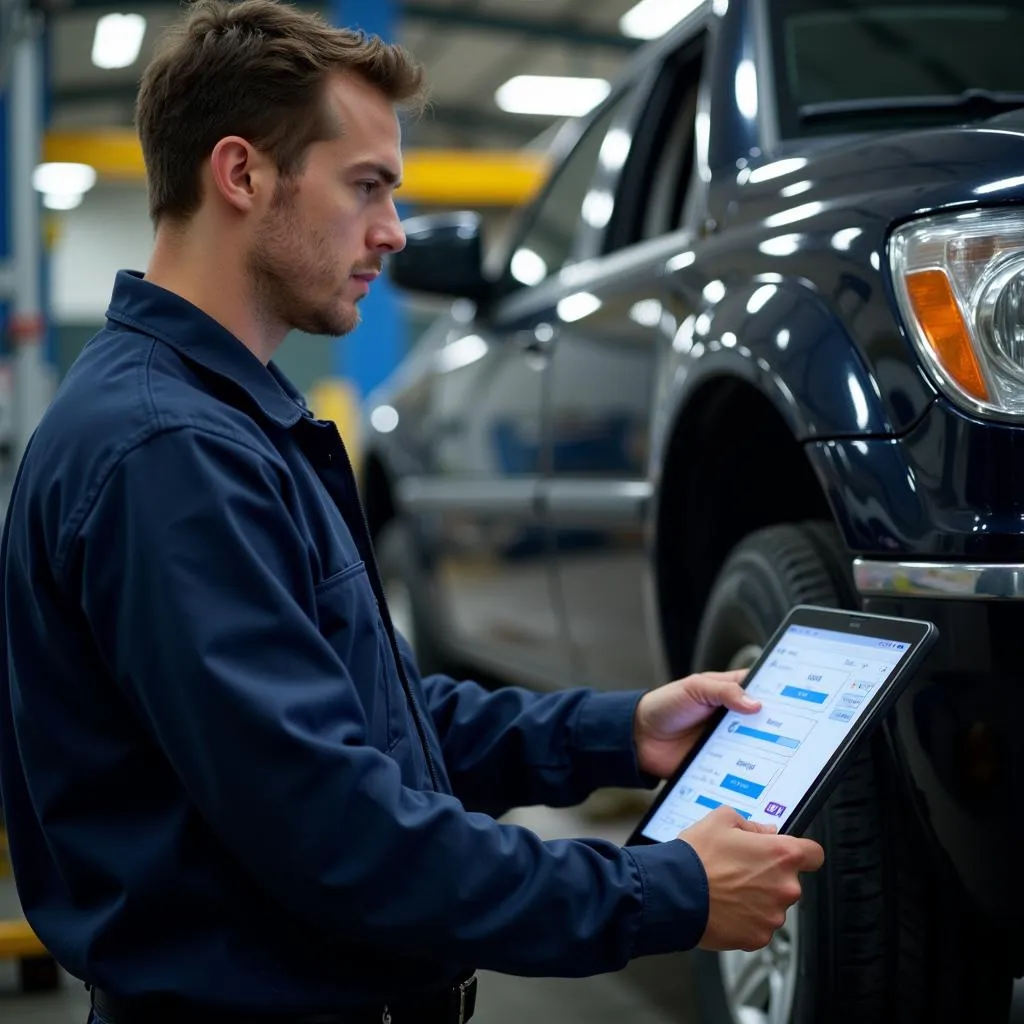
{"x":220,"y":779}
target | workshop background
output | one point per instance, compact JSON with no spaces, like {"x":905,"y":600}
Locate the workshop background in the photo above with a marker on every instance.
{"x":73,"y":211}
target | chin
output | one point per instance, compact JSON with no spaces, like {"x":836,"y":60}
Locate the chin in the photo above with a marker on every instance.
{"x":346,"y":321}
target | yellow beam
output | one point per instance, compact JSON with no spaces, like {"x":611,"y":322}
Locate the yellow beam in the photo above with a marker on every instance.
{"x":438,"y":177}
{"x":17,"y":941}
{"x":116,"y":155}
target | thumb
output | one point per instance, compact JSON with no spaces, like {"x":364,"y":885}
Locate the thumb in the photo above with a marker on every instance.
{"x":755,"y":826}
{"x":728,"y":817}
{"x":736,"y":698}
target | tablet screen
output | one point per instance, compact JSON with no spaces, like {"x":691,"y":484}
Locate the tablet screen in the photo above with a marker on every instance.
{"x":813,"y":687}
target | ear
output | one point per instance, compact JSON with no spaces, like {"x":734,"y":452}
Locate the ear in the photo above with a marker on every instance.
{"x":240,"y":173}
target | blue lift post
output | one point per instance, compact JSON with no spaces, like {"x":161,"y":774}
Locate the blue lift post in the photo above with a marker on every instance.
{"x":23,"y":364}
{"x":27,"y":323}
{"x":22,"y":329}
{"x":366,"y":357}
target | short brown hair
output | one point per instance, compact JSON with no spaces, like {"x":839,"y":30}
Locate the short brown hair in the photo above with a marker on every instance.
{"x":256,"y":69}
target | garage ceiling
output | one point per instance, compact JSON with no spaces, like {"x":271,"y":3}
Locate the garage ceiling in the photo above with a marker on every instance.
{"x":470,"y":48}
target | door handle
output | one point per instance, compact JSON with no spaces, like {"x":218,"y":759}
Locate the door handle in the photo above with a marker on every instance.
{"x":537,"y":341}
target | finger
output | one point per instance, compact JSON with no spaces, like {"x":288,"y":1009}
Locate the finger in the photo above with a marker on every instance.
{"x":728,"y":816}
{"x":735,"y":675}
{"x":808,"y":854}
{"x":734,"y":697}
{"x":716,"y":690}
{"x":720,"y":817}
{"x":756,"y":826}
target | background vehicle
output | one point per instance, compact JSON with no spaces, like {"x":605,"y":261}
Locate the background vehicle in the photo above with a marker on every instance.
{"x":759,"y":342}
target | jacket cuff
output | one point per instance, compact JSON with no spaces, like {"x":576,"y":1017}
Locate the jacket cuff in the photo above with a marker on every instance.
{"x":603,"y":740}
{"x":675,"y":898}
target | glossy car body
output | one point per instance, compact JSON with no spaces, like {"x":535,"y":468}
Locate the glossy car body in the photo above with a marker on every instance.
{"x":575,"y":458}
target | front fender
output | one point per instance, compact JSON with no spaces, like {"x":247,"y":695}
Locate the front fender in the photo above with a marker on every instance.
{"x":781,"y":338}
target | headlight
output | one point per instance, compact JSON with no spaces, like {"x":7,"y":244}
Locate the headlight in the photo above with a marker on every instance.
{"x":959,"y":281}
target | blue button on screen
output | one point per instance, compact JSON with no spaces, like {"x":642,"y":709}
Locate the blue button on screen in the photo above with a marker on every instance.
{"x":741,"y":785}
{"x":799,"y":693}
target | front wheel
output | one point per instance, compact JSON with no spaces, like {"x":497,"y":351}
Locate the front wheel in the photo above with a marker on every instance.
{"x":875,"y":937}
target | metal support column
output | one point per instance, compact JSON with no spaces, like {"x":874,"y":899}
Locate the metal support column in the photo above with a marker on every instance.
{"x":32,"y":382}
{"x":25,"y":383}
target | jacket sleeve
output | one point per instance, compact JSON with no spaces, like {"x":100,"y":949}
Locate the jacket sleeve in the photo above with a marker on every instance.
{"x":513,"y":747}
{"x":197,"y":585}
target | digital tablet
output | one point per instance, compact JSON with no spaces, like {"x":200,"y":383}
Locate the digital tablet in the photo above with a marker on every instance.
{"x":825,"y":680}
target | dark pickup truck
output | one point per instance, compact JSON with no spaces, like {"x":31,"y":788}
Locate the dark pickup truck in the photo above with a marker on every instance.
{"x":759,"y":341}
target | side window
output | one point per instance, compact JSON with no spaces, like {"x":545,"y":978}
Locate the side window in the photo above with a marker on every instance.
{"x":546,"y":245}
{"x":653,"y":190}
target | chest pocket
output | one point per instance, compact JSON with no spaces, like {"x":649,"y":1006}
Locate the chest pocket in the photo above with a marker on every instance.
{"x":349,"y":620}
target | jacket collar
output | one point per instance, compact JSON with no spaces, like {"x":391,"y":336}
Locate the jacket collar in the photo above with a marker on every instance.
{"x":146,"y":307}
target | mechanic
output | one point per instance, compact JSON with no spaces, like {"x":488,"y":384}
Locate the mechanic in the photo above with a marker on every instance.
{"x":229,"y":794}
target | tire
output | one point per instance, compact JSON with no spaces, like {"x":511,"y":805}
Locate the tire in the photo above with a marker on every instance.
{"x":406,"y":593}
{"x":876,"y":936}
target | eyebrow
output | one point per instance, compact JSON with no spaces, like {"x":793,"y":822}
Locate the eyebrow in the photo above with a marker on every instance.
{"x":385,"y":173}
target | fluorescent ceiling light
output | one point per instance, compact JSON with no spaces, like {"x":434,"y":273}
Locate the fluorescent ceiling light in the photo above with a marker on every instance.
{"x":64,"y":179}
{"x":118,"y":40}
{"x":62,"y":200}
{"x":651,"y":19}
{"x":551,"y":95}
{"x":63,"y":185}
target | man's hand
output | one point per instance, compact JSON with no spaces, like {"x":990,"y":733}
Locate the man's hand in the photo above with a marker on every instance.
{"x":670,"y":719}
{"x":752,"y":877}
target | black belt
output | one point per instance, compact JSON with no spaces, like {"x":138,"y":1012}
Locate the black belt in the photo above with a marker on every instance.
{"x":453,"y":1006}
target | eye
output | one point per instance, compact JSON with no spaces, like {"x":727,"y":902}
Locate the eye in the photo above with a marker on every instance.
{"x":369,"y":187}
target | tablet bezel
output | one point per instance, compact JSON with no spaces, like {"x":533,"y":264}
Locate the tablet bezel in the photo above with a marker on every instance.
{"x":921,"y":635}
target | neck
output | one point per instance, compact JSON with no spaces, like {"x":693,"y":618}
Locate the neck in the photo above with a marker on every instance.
{"x":201,"y":268}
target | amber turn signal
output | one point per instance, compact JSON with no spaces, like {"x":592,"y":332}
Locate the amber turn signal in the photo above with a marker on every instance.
{"x":943,"y":325}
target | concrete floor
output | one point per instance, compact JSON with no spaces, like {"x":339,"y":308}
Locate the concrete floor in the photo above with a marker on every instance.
{"x":654,"y":990}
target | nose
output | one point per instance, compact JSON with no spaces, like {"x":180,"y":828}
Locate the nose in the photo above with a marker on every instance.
{"x":388,"y":235}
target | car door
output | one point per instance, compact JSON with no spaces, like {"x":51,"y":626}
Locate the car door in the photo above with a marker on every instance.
{"x":494,"y":569}
{"x":612,"y":329}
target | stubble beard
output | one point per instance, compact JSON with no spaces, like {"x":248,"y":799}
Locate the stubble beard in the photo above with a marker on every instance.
{"x":288,"y":265}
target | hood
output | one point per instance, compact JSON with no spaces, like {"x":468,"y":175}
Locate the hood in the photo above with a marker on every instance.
{"x":891,"y":176}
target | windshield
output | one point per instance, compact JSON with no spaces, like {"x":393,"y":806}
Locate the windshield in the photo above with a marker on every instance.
{"x":857,"y":65}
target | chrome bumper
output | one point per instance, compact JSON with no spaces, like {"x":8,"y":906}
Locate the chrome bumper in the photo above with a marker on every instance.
{"x":936,"y":580}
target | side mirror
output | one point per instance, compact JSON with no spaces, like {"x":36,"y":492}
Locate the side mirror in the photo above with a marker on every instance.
{"x":443,"y":255}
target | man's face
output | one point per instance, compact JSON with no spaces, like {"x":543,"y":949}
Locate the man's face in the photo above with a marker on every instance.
{"x":320,"y":244}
